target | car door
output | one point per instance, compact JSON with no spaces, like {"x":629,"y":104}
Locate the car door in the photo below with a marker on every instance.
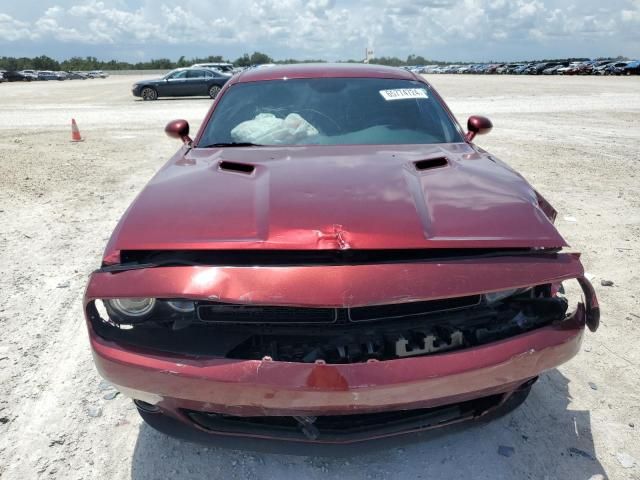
{"x":175,"y":85}
{"x":197,"y":81}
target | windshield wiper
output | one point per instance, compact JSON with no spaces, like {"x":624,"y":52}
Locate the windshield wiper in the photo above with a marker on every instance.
{"x":231,"y":144}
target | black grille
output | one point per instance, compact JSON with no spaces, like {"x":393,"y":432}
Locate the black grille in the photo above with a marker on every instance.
{"x":346,"y":428}
{"x":400,"y":310}
{"x":230,"y":313}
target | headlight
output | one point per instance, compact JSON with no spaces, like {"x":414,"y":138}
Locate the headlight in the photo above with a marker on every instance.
{"x":183,"y":306}
{"x":131,"y":311}
{"x":132,"y":307}
{"x":501,"y":295}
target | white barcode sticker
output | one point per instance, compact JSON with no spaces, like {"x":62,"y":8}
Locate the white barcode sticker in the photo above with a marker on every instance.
{"x":403,"y":93}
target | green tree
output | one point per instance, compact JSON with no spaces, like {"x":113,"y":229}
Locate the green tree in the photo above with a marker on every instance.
{"x":258,"y":58}
{"x":416,"y":60}
{"x":243,"y":61}
{"x":391,"y":61}
{"x":45,"y":63}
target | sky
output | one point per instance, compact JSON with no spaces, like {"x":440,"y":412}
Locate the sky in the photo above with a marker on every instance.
{"x":464,"y":30}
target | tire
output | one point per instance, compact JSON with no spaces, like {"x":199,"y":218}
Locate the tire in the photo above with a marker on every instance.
{"x":214,"y":90}
{"x":149,"y":93}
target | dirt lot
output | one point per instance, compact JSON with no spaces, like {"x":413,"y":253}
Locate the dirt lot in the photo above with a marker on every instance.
{"x":576,"y":139}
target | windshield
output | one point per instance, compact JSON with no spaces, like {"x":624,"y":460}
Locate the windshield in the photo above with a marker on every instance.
{"x":330,"y":111}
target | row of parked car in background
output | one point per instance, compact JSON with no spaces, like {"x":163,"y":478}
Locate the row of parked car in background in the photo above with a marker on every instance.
{"x":33,"y":75}
{"x":589,"y":67}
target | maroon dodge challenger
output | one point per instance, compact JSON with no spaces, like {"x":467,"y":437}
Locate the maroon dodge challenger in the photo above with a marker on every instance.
{"x":330,"y":260}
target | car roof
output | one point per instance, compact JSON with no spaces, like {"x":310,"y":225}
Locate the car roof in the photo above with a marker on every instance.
{"x":323,"y":70}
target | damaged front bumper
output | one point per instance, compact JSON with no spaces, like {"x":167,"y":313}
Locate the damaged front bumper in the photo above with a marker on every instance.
{"x":208,"y":390}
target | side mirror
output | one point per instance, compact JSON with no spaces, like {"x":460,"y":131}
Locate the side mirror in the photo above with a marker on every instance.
{"x":178,"y":129}
{"x":477,"y":125}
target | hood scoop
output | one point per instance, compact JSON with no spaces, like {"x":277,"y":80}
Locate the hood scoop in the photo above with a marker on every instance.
{"x":429,"y":163}
{"x":236,"y":167}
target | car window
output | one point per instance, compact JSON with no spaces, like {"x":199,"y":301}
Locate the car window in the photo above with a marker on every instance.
{"x":176,"y":75}
{"x":330,"y":111}
{"x":195,"y":74}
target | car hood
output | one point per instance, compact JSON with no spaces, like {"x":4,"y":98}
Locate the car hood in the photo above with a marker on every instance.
{"x":335,"y":197}
{"x":147,"y":82}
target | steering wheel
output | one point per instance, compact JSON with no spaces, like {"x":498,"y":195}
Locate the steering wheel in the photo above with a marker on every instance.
{"x":320,"y":115}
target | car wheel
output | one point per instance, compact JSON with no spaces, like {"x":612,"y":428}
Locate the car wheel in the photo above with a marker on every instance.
{"x":214,"y":90}
{"x":149,"y":93}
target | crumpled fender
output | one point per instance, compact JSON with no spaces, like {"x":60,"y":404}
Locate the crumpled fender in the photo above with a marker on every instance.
{"x":592,"y":308}
{"x":342,"y":286}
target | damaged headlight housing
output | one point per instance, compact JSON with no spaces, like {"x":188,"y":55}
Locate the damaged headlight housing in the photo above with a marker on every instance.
{"x":494,"y":297}
{"x":132,"y":307}
{"x":184,"y":306}
{"x":138,"y":310}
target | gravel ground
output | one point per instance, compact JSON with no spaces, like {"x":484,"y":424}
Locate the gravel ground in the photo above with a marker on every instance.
{"x":576,"y":139}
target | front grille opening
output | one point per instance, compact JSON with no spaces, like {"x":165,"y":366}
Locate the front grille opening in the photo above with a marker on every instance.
{"x":301,"y":335}
{"x":248,"y":314}
{"x":399,"y":310}
{"x":216,"y":312}
{"x":236,"y":167}
{"x":345,"y":427}
{"x":430,"y":163}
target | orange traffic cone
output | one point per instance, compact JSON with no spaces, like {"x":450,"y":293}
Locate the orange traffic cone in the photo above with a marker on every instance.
{"x":75,"y":133}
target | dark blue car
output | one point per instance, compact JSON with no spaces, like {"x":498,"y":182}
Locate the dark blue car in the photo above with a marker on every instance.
{"x":182,"y":82}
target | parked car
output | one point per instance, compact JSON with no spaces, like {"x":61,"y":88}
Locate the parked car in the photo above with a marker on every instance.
{"x":492,"y":68}
{"x":553,"y":70}
{"x":631,"y":68}
{"x":331,"y":259}
{"x":2,"y":79}
{"x":538,"y":68}
{"x":97,"y":74}
{"x":226,"y":68}
{"x":508,"y":68}
{"x":32,"y":74}
{"x":523,"y":69}
{"x":182,"y":82}
{"x":76,"y":76}
{"x":515,"y":67}
{"x":48,"y":75}
{"x":602,"y":68}
{"x":13,"y":76}
{"x":570,"y":69}
{"x":586,"y":68}
{"x":616,"y":68}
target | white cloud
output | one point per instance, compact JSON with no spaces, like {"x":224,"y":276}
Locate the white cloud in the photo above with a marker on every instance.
{"x":331,"y":28}
{"x":13,"y":30}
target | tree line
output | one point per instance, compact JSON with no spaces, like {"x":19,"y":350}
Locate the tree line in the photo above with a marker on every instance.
{"x":44,"y":62}
{"x":92,"y":63}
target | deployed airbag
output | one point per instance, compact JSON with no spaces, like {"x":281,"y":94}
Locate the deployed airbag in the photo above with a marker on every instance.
{"x":266,"y":128}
